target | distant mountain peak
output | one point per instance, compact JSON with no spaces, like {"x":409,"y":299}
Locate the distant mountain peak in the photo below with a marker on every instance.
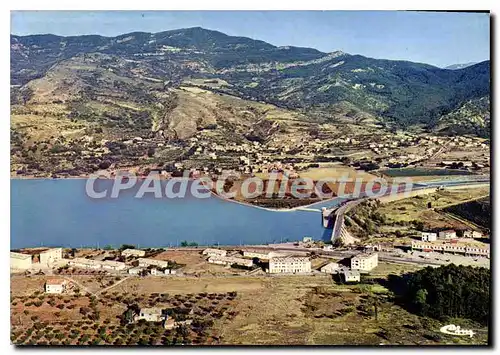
{"x":460,"y":66}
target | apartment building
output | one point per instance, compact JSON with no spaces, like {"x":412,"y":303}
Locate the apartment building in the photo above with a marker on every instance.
{"x":289,"y":264}
{"x":364,"y":261}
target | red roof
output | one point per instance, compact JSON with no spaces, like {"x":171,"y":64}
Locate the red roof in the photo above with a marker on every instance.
{"x":55,"y":281}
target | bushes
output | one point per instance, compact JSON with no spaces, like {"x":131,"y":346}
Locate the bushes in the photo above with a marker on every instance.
{"x":447,"y":291}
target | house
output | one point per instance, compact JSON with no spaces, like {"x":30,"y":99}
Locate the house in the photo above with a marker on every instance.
{"x":20,"y":261}
{"x":133,"y":252}
{"x":145,"y":262}
{"x":136,"y":270}
{"x":352,"y":276}
{"x":330,"y":268}
{"x":214,"y":252}
{"x":472,"y":234}
{"x":447,"y":234}
{"x":364,"y":261}
{"x":307,"y":240}
{"x":55,"y":286}
{"x":51,"y":255}
{"x":289,"y":264}
{"x":154,"y":314}
{"x":429,"y":237}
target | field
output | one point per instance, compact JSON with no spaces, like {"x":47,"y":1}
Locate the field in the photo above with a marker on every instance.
{"x":281,"y":310}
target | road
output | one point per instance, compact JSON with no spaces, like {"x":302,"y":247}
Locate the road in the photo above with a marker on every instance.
{"x":340,"y":212}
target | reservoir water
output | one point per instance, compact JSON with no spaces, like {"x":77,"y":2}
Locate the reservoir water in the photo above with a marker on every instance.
{"x":59,"y":213}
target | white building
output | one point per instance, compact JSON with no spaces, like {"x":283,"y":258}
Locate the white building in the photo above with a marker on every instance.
{"x":84,"y":263}
{"x":55,"y":286}
{"x":230,"y":260}
{"x":447,"y":234}
{"x":256,"y":254}
{"x":364,"y":261}
{"x":136,"y":270}
{"x":145,"y":262}
{"x":307,"y":239}
{"x":472,"y":234}
{"x":289,"y":264}
{"x":214,"y":252}
{"x":113,"y":265}
{"x":352,"y":276}
{"x":150,"y":314}
{"x":330,"y":268}
{"x":49,"y":256}
{"x":133,"y":252}
{"x":429,"y":237}
{"x":20,"y":261}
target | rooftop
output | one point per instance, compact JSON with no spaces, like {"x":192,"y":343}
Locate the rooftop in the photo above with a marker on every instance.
{"x":289,"y":258}
{"x":365,"y":255}
{"x":55,"y":281}
{"x":153,"y":310}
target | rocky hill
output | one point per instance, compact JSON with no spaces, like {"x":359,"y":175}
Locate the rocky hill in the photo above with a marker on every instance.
{"x":296,"y":78}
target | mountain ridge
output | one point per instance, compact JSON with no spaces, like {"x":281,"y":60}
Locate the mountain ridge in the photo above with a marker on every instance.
{"x":299,"y":78}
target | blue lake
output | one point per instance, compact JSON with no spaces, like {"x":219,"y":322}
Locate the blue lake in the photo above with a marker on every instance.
{"x":59,"y":213}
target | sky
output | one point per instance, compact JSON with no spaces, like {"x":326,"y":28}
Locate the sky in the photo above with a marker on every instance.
{"x":439,"y":39}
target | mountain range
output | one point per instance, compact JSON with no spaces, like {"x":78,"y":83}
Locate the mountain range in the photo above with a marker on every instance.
{"x":89,"y":94}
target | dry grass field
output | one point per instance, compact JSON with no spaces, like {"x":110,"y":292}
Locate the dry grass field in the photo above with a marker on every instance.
{"x":258,"y":310}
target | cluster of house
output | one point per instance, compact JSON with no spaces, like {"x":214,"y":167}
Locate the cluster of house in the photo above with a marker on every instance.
{"x":448,"y":234}
{"x":40,"y":258}
{"x":23,"y":261}
{"x":152,"y":266}
{"x":282,"y":263}
{"x":363,"y":262}
{"x":278,"y":262}
{"x":156,"y":314}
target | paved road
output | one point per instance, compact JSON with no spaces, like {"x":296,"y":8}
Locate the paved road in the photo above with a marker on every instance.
{"x":340,"y":212}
